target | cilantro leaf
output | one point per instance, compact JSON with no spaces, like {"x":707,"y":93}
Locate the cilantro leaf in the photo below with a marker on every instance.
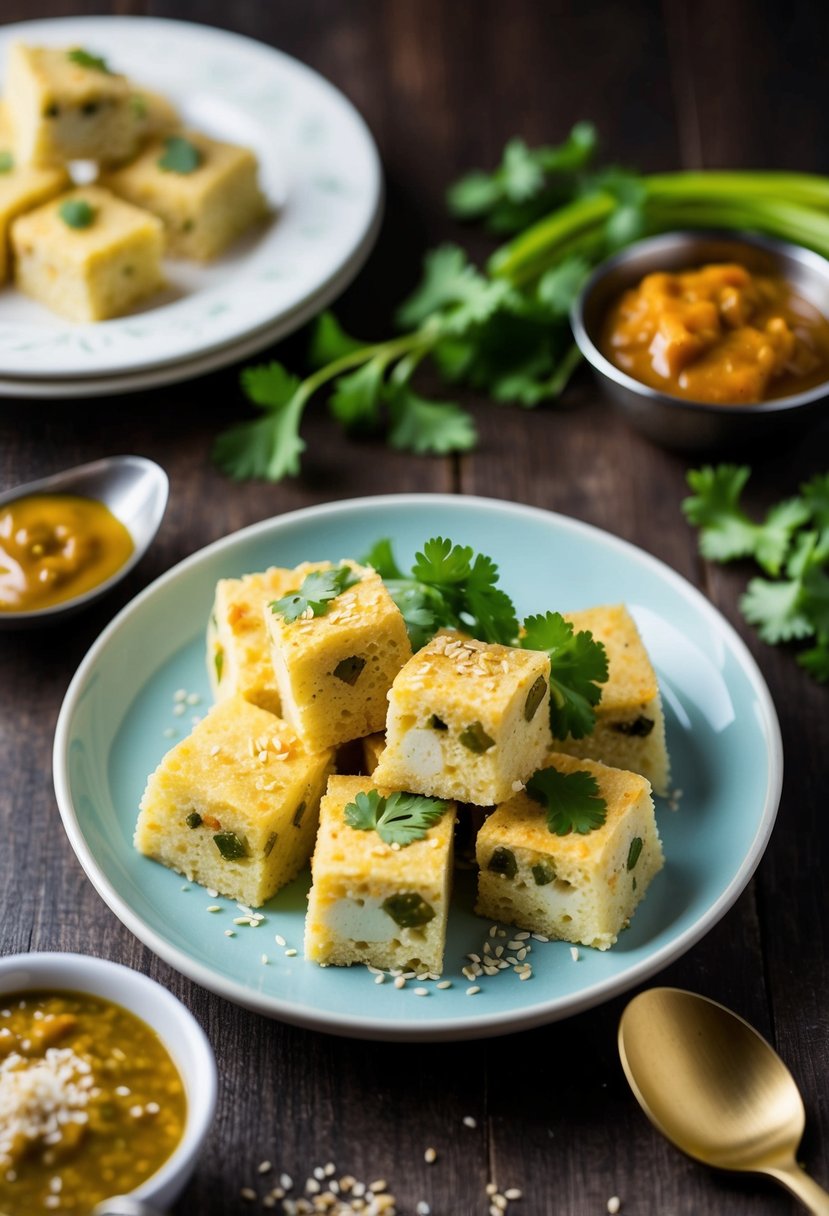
{"x":357,"y":396}
{"x":381,"y":558}
{"x":776,"y":608}
{"x":180,"y":155}
{"x":571,"y":800}
{"x":453,"y":288}
{"x":558,"y":288}
{"x":578,"y":667}
{"x":316,"y":592}
{"x":398,"y":818}
{"x":815,"y":660}
{"x":419,"y":425}
{"x":85,"y":60}
{"x":77,"y":213}
{"x":329,"y":341}
{"x":268,"y":448}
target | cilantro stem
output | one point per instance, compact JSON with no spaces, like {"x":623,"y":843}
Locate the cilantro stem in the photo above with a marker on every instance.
{"x":386,"y":352}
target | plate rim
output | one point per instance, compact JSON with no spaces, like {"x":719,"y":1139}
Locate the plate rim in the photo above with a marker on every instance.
{"x":437,"y":1029}
{"x":358,"y":250}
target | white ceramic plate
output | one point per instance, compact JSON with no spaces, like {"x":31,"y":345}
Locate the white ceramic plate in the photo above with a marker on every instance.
{"x":319,"y":168}
{"x":722,"y":733}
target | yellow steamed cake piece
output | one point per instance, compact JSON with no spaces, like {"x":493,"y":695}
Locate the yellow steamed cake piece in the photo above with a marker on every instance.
{"x":88,"y":271}
{"x":573,"y":888}
{"x":207,"y":194}
{"x":238,"y":649}
{"x":373,"y":903}
{"x":467,"y":720}
{"x":22,"y":187}
{"x":66,"y":104}
{"x":234,"y":806}
{"x":334,"y":671}
{"x":630,"y":725}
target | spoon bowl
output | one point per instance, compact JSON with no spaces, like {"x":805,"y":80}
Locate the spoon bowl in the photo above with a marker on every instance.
{"x":135,"y":491}
{"x":715,"y":1088}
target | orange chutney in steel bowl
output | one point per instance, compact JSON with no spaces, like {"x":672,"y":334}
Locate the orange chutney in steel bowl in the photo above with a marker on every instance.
{"x":718,"y":334}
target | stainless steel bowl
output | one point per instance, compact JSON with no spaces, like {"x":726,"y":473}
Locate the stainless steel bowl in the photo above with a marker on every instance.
{"x":674,"y":422}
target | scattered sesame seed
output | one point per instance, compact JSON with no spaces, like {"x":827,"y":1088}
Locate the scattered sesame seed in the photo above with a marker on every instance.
{"x":214,"y":907}
{"x":513,"y":1192}
{"x":491,"y":1188}
{"x":290,"y":953}
{"x":526,"y":975}
{"x":230,"y":932}
{"x":179,"y":710}
{"x":469,"y":1121}
{"x":280,"y":940}
{"x":499,"y":1202}
{"x":574,"y":953}
{"x":286,"y":1181}
{"x":170,"y":732}
{"x":430,"y":1156}
{"x":421,"y":991}
{"x":247,"y":1194}
{"x":185,"y":887}
{"x":378,"y":1185}
{"x":242,"y":920}
{"x":215,"y":749}
{"x":422,"y":1208}
{"x":539,"y":937}
{"x":264,"y":1167}
{"x":263,"y":958}
{"x":380,"y":979}
{"x":399,"y":982}
{"x":213,"y":894}
{"x":180,"y":694}
{"x":445,"y":984}
{"x":614,"y":1205}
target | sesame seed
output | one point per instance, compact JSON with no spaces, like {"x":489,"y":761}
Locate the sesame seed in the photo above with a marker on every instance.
{"x":179,"y":710}
{"x":213,"y":894}
{"x":469,"y":1121}
{"x":185,"y":887}
{"x":614,"y":1204}
{"x":491,"y":1188}
{"x":170,"y":732}
{"x":526,"y":975}
{"x":574,"y":953}
{"x":152,"y":1108}
{"x":180,"y":694}
{"x":421,"y":991}
{"x":248,"y":1194}
{"x":445,"y":984}
{"x":422,"y":1208}
{"x":193,"y":698}
{"x":230,"y":932}
{"x":539,"y":937}
{"x":514,"y":1192}
{"x":523,"y":936}
{"x":515,"y":945}
{"x":290,"y":953}
{"x":400,"y":982}
{"x":264,"y":1167}
{"x":286,"y":1181}
{"x":517,"y":787}
{"x":430,"y":1156}
{"x":242,"y":920}
{"x":215,"y":749}
{"x":499,"y":1202}
{"x":214,"y":908}
{"x":280,"y":940}
{"x":263,"y":958}
{"x":378,"y":1185}
{"x":380,"y":979}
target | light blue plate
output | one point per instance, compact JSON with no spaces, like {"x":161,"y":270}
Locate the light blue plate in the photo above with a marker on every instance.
{"x":723,"y":737}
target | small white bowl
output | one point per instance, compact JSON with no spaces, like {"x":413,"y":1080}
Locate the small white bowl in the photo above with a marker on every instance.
{"x":175,"y":1026}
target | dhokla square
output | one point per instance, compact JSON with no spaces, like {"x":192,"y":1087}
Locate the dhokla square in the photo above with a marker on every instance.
{"x":578,"y":886}
{"x":630,"y":724}
{"x":373,"y":902}
{"x":22,"y":187}
{"x":234,"y":806}
{"x":238,"y":649}
{"x":67,"y":104}
{"x":335,"y":657}
{"x":205,"y":191}
{"x":88,"y":255}
{"x":467,"y":720}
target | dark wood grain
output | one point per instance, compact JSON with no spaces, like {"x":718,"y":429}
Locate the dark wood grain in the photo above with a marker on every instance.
{"x":443,"y":85}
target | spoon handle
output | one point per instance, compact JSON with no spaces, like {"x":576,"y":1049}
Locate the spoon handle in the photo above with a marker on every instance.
{"x":804,"y":1188}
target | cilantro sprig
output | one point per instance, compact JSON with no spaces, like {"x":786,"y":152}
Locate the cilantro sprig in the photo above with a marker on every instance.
{"x":84,"y":59}
{"x":790,"y":544}
{"x":316,"y":592}
{"x":571,"y":800}
{"x":578,"y":666}
{"x":449,"y":587}
{"x":397,"y":818}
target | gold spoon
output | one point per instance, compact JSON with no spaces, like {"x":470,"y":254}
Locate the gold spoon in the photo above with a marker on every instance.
{"x":718,"y":1091}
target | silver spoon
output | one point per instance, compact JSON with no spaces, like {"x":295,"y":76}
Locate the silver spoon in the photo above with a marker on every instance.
{"x":123,"y":1205}
{"x":711,"y":1084}
{"x":135,"y":490}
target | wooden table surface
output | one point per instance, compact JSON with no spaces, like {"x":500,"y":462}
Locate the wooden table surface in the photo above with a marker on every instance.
{"x":443,"y":84}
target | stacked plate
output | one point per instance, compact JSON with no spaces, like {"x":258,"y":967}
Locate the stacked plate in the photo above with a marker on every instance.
{"x":319,"y":168}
